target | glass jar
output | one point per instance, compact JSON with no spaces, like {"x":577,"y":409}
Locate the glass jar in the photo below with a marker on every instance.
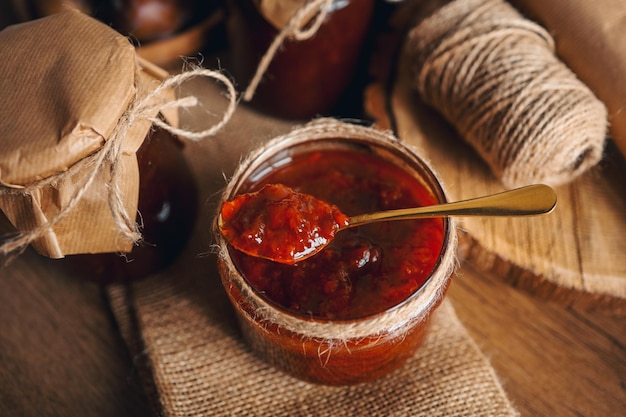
{"x":305,"y":78}
{"x":144,"y":21}
{"x":80,"y":165}
{"x":392,"y":307}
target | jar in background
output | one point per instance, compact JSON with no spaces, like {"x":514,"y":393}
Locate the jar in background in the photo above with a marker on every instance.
{"x":148,"y":20}
{"x":163,"y":30}
{"x":305,"y":78}
{"x":41,"y":8}
{"x":81,"y":161}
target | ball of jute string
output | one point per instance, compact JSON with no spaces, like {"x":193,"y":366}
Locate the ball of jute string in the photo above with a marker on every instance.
{"x":145,"y":103}
{"x":493,"y":74}
{"x":396,"y":320}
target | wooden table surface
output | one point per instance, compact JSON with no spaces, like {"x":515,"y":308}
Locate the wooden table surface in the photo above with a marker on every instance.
{"x":61,"y":353}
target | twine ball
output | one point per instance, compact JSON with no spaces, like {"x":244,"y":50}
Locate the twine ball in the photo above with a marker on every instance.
{"x":494,"y":76}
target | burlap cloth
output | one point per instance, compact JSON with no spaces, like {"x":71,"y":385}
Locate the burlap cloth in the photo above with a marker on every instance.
{"x":193,"y":362}
{"x":183,"y":335}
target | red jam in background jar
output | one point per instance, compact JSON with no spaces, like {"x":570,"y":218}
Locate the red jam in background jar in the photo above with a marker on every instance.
{"x":364,"y":270}
{"x":307,"y":77}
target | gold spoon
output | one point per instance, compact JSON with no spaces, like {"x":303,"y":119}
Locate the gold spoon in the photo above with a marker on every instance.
{"x":525,"y":201}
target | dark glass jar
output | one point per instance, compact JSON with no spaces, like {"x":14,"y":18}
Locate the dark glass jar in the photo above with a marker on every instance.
{"x":305,"y":78}
{"x":167,"y":211}
{"x":144,"y":21}
{"x":42,"y":8}
{"x":147,"y":20}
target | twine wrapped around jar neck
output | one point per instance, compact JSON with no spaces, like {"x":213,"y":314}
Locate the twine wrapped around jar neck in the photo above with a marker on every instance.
{"x":396,"y":319}
{"x":147,"y":102}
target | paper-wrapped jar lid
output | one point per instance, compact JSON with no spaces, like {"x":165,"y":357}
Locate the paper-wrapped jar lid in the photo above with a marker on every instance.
{"x":65,"y":82}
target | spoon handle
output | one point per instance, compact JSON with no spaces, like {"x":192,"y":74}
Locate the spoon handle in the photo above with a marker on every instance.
{"x":525,"y":201}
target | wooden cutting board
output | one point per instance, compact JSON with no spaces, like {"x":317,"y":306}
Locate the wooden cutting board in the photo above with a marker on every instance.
{"x":576,"y":255}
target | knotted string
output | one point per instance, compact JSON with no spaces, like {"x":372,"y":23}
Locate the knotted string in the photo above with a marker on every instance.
{"x":143,"y":107}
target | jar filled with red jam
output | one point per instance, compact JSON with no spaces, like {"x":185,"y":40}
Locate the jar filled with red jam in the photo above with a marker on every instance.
{"x":305,"y":77}
{"x":361,"y":307}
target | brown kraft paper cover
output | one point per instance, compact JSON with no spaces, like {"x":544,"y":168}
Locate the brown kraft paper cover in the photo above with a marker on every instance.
{"x":65,"y":81}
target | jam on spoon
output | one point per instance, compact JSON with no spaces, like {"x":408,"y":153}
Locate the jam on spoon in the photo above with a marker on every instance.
{"x":279,"y":224}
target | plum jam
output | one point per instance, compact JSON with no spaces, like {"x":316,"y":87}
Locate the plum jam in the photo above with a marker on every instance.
{"x":364,"y":270}
{"x":360,"y":307}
